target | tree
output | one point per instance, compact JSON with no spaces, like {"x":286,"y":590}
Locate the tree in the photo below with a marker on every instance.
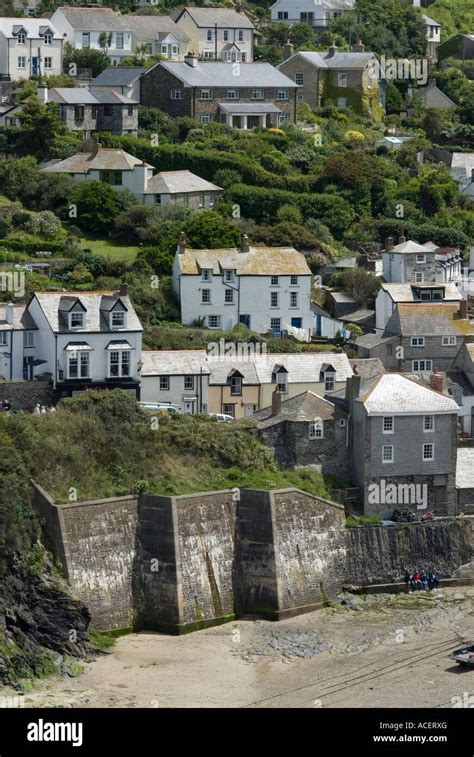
{"x":44,"y":224}
{"x":105,"y":40}
{"x":97,"y":206}
{"x":208,"y":229}
{"x":301,"y":34}
{"x":359,"y":284}
{"x":40,"y":125}
{"x":87,"y":58}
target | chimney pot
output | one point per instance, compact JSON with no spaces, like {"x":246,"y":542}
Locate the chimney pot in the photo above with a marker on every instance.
{"x":276,"y":401}
{"x":463,"y":309}
{"x":388,"y":244}
{"x":123,"y":291}
{"x":245,"y":246}
{"x":438,"y":381}
{"x":182,"y":243}
{"x":359,"y":47}
{"x":332,"y":50}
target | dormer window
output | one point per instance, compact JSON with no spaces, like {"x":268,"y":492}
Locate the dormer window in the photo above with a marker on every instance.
{"x":235,"y":382}
{"x":48,"y":38}
{"x":76,"y":319}
{"x":21,"y":38}
{"x":117,"y":319}
{"x":329,"y":381}
{"x":228,"y":275}
{"x":280,"y":378}
{"x":206,"y":274}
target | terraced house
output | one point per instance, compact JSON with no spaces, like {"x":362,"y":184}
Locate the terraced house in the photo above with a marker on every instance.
{"x":30,"y":47}
{"x":95,"y":29}
{"x":242,"y":96}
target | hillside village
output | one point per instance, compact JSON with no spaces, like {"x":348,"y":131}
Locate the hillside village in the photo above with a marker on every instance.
{"x":236,"y":255}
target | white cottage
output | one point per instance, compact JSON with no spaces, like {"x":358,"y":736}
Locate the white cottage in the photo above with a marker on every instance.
{"x":30,"y":47}
{"x":265,"y":288}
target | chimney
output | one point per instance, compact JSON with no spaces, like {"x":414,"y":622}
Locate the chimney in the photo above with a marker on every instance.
{"x":359,"y":47}
{"x":472,"y":174}
{"x":238,"y":6}
{"x":388,"y":242}
{"x":288,"y":50}
{"x":276,"y":401}
{"x":191,"y":60}
{"x":438,"y":381}
{"x":402,"y":237}
{"x":245,"y":246}
{"x":10,"y":313}
{"x":123,"y":291}
{"x":463,"y":309}
{"x":42,"y":93}
{"x":332,"y":49}
{"x":181,"y":244}
{"x":352,"y":388}
{"x":142,"y":172}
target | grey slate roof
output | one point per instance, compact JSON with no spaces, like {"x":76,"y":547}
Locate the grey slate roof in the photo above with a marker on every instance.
{"x":429,"y":21}
{"x":225,"y":18}
{"x":118,"y":77}
{"x":92,"y":302}
{"x":394,"y":394}
{"x":217,"y":74}
{"x":373,"y":340}
{"x":105,"y":159}
{"x":71,"y":96}
{"x":338,"y":60}
{"x":406,"y":292}
{"x":95,"y":19}
{"x":174,"y":362}
{"x":303,"y":408}
{"x":249,"y":108}
{"x":173,"y":182}
{"x":114,"y":98}
{"x":150,"y":28}
{"x":420,"y":319}
{"x":21,"y":319}
{"x":368,"y":367}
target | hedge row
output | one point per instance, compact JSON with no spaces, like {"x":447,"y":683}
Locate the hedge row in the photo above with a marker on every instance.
{"x":262,"y":205}
{"x":205,"y":163}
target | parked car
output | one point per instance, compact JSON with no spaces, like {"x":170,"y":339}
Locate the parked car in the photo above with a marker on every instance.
{"x":160,"y":407}
{"x":465,"y":655}
{"x":222,"y":417}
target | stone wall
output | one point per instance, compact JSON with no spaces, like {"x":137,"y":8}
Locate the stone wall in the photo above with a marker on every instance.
{"x":384,"y":554}
{"x":96,"y":544}
{"x":24,"y":395}
{"x":181,"y":563}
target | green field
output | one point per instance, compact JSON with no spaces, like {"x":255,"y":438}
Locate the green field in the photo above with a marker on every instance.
{"x":109,"y":249}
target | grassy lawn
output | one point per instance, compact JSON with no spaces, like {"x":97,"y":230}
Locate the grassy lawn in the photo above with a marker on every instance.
{"x":4,"y":201}
{"x":110,"y":249}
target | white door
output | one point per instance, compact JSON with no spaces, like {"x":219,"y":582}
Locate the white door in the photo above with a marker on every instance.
{"x":188,"y":407}
{"x":249,"y":410}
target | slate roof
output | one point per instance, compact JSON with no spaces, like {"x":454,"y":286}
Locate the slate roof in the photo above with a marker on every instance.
{"x":71,"y":96}
{"x":258,"y":261}
{"x":173,"y":182}
{"x":114,"y":98}
{"x":465,"y":468}
{"x":302,"y":367}
{"x":105,"y":159}
{"x":95,"y":19}
{"x":367,"y":368}
{"x":50,"y":302}
{"x":151,"y":28}
{"x":21,"y":319}
{"x":303,"y":408}
{"x":422,"y":92}
{"x":34,"y":27}
{"x":225,"y":18}
{"x":394,"y":394}
{"x":118,"y":77}
{"x":429,"y":21}
{"x":406,"y":292}
{"x":174,"y":362}
{"x":341,"y":60}
{"x":372,"y":340}
{"x":463,"y":161}
{"x":249,"y":108}
{"x":420,"y":319}
{"x":217,"y":74}
{"x":409,"y":247}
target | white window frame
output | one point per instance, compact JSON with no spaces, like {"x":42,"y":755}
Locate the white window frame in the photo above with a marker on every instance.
{"x":113,"y":316}
{"x":206,"y":274}
{"x":232,"y":94}
{"x":417,"y":341}
{"x":176,"y":94}
{"x":119,"y":36}
{"x":74,"y":314}
{"x":205,"y":297}
{"x":274,"y":321}
{"x":48,"y":38}
{"x":21,"y":38}
{"x":28,"y":338}
{"x":21,"y":63}
{"x":299,"y":78}
{"x":428,"y":424}
{"x":293,"y":299}
{"x":240,"y":35}
{"x":342,"y":81}
{"x":419,"y":277}
{"x":229,"y":297}
{"x":316,"y":430}
{"x":228,"y":274}
{"x":218,"y":321}
{"x":387,"y":461}
{"x":81,"y":358}
{"x":206,"y":118}
{"x":274,"y":300}
{"x":225,"y":35}
{"x":449,"y":341}
{"x":189,"y":383}
{"x":421,"y":258}
{"x":121,"y":364}
{"x":425,"y":446}
{"x":48,"y":62}
{"x":258,"y":94}
{"x":205,"y":94}
{"x":388,"y":424}
{"x":165,"y":383}
{"x":329,"y":382}
{"x":282,"y":94}
{"x":428,"y":366}
{"x":86,"y":36}
{"x":3,"y":338}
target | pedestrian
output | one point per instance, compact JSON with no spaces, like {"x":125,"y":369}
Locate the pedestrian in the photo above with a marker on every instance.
{"x":43,"y":410}
{"x":6,"y":406}
{"x":52,"y":409}
{"x":37,"y":409}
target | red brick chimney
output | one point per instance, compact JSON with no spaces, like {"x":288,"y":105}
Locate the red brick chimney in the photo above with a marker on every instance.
{"x":123,"y":291}
{"x":438,"y":381}
{"x":276,"y":401}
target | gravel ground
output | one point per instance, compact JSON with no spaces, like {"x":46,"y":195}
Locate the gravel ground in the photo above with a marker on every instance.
{"x":379,"y":651}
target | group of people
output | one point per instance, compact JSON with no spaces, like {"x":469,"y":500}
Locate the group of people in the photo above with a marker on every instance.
{"x":42,"y":409}
{"x":418,"y":580}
